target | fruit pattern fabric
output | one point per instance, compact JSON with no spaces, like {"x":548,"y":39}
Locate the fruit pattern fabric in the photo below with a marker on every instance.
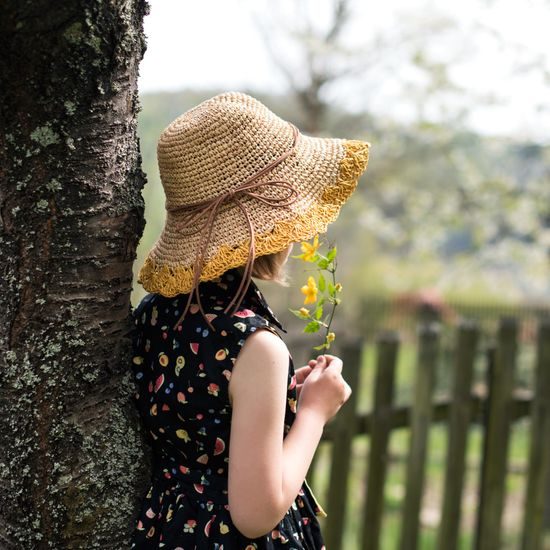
{"x":182,"y":380}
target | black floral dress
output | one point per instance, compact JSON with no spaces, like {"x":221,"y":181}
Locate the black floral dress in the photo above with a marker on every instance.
{"x":182,"y":396}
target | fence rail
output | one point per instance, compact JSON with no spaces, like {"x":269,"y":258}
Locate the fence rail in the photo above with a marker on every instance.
{"x":495,"y":408}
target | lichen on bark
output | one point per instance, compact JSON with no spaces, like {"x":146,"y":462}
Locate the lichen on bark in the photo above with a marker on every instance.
{"x":73,"y":462}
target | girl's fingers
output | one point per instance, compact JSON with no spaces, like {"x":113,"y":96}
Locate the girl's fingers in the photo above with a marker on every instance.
{"x":302,"y":373}
{"x":336,"y":366}
{"x":314,"y":374}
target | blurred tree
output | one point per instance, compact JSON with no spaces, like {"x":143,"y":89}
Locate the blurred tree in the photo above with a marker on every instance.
{"x":310,"y":43}
{"x":71,"y":460}
{"x":318,"y":49}
{"x":433,"y":191}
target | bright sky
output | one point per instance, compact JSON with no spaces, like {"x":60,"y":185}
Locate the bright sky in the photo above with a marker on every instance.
{"x":216,"y":43}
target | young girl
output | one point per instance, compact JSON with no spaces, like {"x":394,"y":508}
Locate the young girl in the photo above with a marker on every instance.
{"x":232,"y":425}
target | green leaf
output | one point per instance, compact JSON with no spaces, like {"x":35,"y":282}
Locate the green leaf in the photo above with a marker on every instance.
{"x":323,"y":263}
{"x":321,"y":283}
{"x":331,"y":289}
{"x":298,"y":313}
{"x":322,"y":346}
{"x":321,"y":301}
{"x":318,"y":312}
{"x":331,"y":254}
{"x":312,"y":326}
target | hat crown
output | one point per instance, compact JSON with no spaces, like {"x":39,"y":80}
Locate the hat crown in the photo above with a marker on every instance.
{"x":217,"y":145}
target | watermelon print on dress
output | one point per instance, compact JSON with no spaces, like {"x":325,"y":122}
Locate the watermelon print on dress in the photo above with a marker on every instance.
{"x":182,"y":380}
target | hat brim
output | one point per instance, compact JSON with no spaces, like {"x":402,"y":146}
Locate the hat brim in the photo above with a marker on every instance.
{"x":332,"y":168}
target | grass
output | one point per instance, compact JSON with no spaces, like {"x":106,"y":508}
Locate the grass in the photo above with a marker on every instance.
{"x":435,"y":467}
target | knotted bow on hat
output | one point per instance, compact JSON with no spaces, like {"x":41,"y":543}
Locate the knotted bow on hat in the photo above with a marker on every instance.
{"x":207,"y":211}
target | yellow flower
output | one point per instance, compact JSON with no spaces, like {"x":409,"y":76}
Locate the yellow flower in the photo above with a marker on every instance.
{"x":330,"y":337}
{"x":304,"y":311}
{"x":338,"y":287}
{"x":309,"y":250}
{"x":310,"y":291}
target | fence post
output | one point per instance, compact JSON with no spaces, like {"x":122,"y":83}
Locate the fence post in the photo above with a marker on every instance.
{"x":345,"y":424}
{"x":497,"y":435}
{"x":420,"y":418}
{"x":539,"y":455}
{"x":459,"y":421}
{"x":380,"y":428}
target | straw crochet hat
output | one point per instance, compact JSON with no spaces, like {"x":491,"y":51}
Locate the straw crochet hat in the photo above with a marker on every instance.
{"x":240,"y":182}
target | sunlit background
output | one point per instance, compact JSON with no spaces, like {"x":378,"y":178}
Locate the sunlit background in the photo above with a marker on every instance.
{"x":453,"y":213}
{"x":452,"y":96}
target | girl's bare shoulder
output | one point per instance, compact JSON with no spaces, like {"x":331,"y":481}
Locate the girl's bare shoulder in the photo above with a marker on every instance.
{"x":263,"y":361}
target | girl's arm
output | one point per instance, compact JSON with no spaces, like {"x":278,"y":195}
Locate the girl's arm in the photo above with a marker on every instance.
{"x":265,"y":471}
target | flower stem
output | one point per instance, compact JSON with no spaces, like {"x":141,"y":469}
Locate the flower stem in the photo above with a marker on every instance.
{"x":333,"y":272}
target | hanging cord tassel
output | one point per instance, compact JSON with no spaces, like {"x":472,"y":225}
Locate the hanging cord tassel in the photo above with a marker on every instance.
{"x":210,"y":208}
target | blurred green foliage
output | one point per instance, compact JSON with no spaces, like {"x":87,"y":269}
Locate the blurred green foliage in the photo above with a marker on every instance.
{"x":437,"y":207}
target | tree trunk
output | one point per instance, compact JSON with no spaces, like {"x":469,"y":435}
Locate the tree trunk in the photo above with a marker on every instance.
{"x":72,"y":457}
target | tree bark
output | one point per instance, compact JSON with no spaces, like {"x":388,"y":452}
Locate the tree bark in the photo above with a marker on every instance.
{"x":72,"y":460}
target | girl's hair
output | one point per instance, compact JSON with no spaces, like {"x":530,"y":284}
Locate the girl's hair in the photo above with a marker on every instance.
{"x":271,"y":267}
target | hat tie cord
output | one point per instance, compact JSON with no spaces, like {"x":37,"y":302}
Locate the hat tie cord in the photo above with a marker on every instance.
{"x":207,"y":211}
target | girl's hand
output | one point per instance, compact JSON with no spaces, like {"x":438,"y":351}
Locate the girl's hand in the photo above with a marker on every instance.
{"x":325,"y":391}
{"x":301,"y":374}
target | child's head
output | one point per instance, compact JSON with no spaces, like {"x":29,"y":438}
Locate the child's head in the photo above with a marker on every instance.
{"x":241,"y":184}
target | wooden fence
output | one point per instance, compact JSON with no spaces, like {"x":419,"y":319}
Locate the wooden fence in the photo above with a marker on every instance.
{"x":495,"y":408}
